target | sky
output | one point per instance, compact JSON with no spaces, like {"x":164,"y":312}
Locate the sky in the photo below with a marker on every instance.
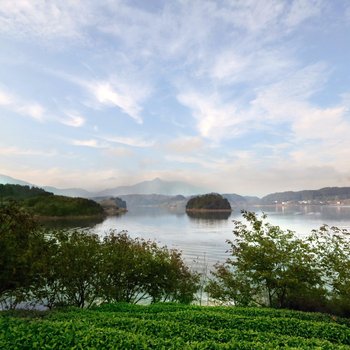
{"x":241,"y":96}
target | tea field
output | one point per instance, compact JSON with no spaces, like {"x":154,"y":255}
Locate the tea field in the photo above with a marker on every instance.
{"x":171,"y":326}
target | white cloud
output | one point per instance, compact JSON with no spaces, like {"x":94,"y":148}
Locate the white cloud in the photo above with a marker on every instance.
{"x":20,"y":106}
{"x":254,"y":15}
{"x":87,"y":143}
{"x":16,"y":151}
{"x":5,"y":99}
{"x":106,"y":94}
{"x":120,"y":152}
{"x":74,"y":119}
{"x":186,"y":144}
{"x":301,"y":10}
{"x":125,"y":92}
{"x":215,"y":120}
{"x":45,"y":19}
{"x":33,"y":110}
{"x":129,"y":141}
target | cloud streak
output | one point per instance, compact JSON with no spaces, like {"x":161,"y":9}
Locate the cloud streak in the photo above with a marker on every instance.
{"x":18,"y":105}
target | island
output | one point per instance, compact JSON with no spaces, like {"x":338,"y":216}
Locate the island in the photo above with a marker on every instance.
{"x":208,"y":202}
{"x":112,"y":205}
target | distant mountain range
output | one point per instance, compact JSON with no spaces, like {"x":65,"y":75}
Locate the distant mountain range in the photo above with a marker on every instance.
{"x":158,"y":192}
{"x":322,"y":195}
{"x":156,"y":186}
{"x":4,"y":179}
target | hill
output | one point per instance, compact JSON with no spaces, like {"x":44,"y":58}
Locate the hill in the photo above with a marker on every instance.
{"x":156,"y":186}
{"x":112,"y":205}
{"x":154,"y":200}
{"x":171,"y":326}
{"x":42,"y":203}
{"x":4,"y":179}
{"x":326,"y":194}
{"x":210,"y":201}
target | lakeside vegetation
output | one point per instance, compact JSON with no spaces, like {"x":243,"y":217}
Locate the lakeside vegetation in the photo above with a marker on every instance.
{"x":55,"y":268}
{"x":45,"y":204}
{"x":269,"y":271}
{"x":208,"y":202}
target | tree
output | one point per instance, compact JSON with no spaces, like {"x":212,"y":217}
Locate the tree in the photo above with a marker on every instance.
{"x":333,"y":256}
{"x":268,"y":267}
{"x":210,"y":201}
{"x":125,"y":265}
{"x":78,"y":267}
{"x":136,"y":269}
{"x":21,"y":242}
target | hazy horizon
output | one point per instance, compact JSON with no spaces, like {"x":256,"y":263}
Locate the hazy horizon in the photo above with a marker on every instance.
{"x":248,"y":97}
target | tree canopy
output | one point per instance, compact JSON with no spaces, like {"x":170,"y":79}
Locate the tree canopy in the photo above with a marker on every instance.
{"x":275,"y":268}
{"x":75,"y":267}
{"x":211,"y":201}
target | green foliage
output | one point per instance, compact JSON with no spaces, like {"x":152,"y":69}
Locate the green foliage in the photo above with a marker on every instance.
{"x":42,"y":203}
{"x":172,"y":326}
{"x":135,"y":269}
{"x":77,"y":268}
{"x":20,"y":246}
{"x":272,"y":267}
{"x":18,"y":192}
{"x":333,"y":247}
{"x":62,"y":206}
{"x":72,"y":274}
{"x":269,"y":266}
{"x":211,"y":201}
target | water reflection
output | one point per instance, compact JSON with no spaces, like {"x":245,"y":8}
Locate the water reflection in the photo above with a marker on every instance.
{"x":69,"y":223}
{"x":202,"y":238}
{"x":208,"y":215}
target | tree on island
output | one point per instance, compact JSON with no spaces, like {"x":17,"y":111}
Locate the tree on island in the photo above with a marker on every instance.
{"x":210,"y":201}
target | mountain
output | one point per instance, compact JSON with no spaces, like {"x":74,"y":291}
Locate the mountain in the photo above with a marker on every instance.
{"x":4,"y":179}
{"x":156,"y":186}
{"x":69,"y":192}
{"x":321,"y":195}
{"x":154,"y":200}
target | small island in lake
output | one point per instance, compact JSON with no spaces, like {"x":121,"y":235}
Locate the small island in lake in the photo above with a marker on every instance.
{"x":112,"y":205}
{"x":208,"y":202}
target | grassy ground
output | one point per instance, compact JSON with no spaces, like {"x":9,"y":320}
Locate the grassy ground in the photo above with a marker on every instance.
{"x":169,"y":326}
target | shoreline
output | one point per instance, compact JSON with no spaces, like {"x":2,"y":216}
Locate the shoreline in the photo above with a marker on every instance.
{"x":69,"y":217}
{"x":209,"y":210}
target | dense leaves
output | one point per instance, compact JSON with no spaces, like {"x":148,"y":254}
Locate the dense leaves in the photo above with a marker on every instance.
{"x":211,"y":201}
{"x":42,"y":203}
{"x":272,"y":267}
{"x":172,"y":326}
{"x":21,"y":244}
{"x":78,"y":268}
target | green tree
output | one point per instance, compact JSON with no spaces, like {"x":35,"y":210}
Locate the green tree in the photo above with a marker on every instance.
{"x":268,"y":267}
{"x":72,"y":273}
{"x":125,"y":267}
{"x":21,"y":242}
{"x":136,"y":269}
{"x":210,"y":201}
{"x":333,"y":255}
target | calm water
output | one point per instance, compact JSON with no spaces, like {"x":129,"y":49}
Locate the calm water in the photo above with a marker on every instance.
{"x":202,"y":239}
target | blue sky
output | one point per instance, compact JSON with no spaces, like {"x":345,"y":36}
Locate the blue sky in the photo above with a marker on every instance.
{"x":243,"y":96}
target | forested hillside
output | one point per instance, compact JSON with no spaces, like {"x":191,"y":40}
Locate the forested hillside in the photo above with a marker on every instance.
{"x":323,"y":194}
{"x":42,"y":203}
{"x":210,"y":201}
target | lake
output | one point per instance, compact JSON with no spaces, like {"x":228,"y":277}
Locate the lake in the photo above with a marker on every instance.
{"x":202,"y":238}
